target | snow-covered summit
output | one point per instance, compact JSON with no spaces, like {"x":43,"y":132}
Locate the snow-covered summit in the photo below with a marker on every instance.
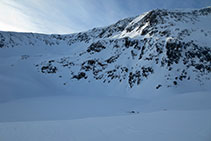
{"x":158,"y":51}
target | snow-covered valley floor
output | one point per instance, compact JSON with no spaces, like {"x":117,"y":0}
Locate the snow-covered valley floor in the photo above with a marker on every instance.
{"x":161,"y":126}
{"x":180,"y":117}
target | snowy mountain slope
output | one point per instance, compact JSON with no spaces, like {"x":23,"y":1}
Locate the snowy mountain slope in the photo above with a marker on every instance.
{"x":157,"y":52}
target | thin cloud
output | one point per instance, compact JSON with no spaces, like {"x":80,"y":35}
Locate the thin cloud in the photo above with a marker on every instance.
{"x":13,"y":20}
{"x":68,"y":16}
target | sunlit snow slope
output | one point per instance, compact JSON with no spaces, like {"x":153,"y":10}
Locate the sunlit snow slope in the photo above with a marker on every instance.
{"x":159,"y":51}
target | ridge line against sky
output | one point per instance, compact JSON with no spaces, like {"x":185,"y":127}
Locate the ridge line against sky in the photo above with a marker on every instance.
{"x":69,"y":16}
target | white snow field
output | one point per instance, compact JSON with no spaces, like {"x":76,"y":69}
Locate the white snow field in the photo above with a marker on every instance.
{"x":156,"y":126}
{"x":145,"y":78}
{"x":70,"y":118}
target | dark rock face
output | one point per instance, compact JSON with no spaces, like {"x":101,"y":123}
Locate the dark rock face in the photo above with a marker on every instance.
{"x":158,"y":86}
{"x":2,"y":39}
{"x":204,"y":11}
{"x":95,"y":47}
{"x":202,"y":54}
{"x":173,"y":51}
{"x":134,"y":78}
{"x":112,"y":59}
{"x":110,"y":30}
{"x":83,"y":37}
{"x":48,"y":69}
{"x":80,"y":76}
{"x":1,"y":45}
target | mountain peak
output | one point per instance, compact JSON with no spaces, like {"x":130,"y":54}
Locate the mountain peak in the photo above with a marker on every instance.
{"x":160,"y":50}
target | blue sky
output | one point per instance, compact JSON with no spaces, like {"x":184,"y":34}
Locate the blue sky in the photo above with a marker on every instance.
{"x":68,"y":16}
